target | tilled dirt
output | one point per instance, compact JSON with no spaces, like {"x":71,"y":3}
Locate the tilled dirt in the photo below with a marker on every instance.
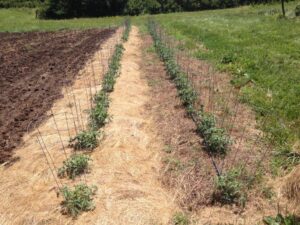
{"x":33,"y":69}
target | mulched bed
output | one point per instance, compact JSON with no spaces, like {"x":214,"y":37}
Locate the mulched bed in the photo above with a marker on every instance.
{"x":187,"y":169}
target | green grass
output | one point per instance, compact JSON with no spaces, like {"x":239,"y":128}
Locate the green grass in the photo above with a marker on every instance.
{"x":23,"y":20}
{"x":251,"y":43}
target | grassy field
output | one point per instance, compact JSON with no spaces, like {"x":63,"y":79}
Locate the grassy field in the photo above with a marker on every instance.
{"x":23,"y":19}
{"x":262,"y":52}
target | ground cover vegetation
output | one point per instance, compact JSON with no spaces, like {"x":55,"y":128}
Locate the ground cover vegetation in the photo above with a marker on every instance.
{"x":180,"y":219}
{"x":261,"y":54}
{"x":80,"y":198}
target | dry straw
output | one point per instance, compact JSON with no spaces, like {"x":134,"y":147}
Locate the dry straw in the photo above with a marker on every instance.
{"x":292,"y":187}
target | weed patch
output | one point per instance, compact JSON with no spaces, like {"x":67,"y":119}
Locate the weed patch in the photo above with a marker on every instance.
{"x":180,"y":219}
{"x":267,"y":192}
{"x":174,"y":164}
{"x":285,"y":159}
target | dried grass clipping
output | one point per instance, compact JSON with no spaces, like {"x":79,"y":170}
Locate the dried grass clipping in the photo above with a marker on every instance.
{"x":292,"y":187}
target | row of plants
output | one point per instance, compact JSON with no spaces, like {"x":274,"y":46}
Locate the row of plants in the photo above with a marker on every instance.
{"x":127,"y":31}
{"x":229,"y":187}
{"x":80,"y":197}
{"x":216,"y":140}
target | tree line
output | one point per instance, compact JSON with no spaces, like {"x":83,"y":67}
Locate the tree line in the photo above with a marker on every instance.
{"x":61,"y":9}
{"x":19,"y":3}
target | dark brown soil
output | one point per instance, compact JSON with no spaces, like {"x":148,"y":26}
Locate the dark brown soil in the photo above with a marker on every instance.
{"x":187,"y":169}
{"x":33,"y":69}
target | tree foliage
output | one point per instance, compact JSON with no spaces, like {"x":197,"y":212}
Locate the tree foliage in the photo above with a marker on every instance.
{"x":61,"y":9}
{"x":91,"y":8}
{"x":20,"y":3}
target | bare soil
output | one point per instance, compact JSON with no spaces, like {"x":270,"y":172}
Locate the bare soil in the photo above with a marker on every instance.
{"x":34,"y":67}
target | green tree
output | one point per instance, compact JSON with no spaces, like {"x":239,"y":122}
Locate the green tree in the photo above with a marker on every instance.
{"x":135,"y":7}
{"x":152,"y":6}
{"x":90,"y":8}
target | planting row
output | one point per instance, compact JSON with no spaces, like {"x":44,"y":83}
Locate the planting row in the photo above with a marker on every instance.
{"x":229,"y":187}
{"x":79,"y":198}
{"x":216,"y":140}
